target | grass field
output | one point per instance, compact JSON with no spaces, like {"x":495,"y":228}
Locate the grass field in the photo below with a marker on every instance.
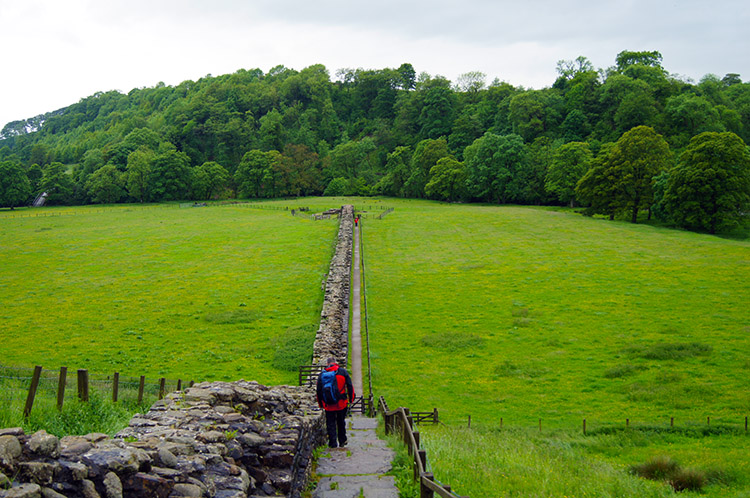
{"x":202,"y":293}
{"x":526,"y":314}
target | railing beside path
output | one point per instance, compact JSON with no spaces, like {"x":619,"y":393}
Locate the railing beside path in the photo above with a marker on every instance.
{"x":401,"y":421}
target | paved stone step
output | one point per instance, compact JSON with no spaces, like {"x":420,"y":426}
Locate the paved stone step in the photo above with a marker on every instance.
{"x":357,"y":469}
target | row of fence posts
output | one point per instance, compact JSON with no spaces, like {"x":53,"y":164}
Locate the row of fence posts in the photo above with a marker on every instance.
{"x":83,"y":387}
{"x":402,"y":421}
{"x":627,"y":423}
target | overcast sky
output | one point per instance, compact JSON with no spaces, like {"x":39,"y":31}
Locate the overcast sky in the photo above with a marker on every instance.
{"x":55,"y":52}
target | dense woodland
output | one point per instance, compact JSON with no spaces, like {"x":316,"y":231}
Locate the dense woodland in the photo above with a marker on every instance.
{"x":626,"y":142}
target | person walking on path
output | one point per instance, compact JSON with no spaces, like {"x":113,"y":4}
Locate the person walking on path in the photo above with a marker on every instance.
{"x":334,"y":392}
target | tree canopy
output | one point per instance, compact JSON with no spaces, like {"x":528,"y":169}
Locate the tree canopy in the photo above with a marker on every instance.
{"x":382,"y":131}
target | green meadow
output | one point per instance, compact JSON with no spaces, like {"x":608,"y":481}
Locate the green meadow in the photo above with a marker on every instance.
{"x":510,"y":315}
{"x":516,"y":314}
{"x":213,"y":293}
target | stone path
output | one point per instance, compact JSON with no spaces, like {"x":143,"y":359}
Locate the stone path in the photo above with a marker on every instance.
{"x":355,"y":349}
{"x":357,"y":469}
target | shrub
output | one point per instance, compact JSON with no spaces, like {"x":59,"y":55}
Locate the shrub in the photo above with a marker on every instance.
{"x":619,"y":371}
{"x":673,"y":351}
{"x":664,"y":468}
{"x":658,"y":468}
{"x":688,"y":480}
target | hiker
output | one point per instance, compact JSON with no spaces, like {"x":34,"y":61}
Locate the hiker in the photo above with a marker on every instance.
{"x":356,"y":221}
{"x":335,"y":392}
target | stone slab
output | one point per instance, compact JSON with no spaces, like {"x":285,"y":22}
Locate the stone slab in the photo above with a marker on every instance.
{"x":350,"y":487}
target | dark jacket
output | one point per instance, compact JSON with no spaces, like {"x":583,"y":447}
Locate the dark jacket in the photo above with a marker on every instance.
{"x":345,"y":388}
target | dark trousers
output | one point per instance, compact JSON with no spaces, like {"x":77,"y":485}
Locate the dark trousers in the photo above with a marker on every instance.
{"x":336,"y":423}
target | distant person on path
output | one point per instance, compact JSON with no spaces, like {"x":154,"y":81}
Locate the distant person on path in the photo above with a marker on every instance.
{"x":335,"y":391}
{"x":356,"y":221}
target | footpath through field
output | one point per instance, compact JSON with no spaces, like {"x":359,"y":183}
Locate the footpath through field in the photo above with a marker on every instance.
{"x":359,"y":468}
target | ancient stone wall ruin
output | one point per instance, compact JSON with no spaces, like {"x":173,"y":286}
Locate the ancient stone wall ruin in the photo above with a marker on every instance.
{"x":218,"y":439}
{"x":333,"y":334}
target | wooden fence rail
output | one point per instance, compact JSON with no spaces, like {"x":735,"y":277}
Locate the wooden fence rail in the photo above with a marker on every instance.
{"x":401,"y":421}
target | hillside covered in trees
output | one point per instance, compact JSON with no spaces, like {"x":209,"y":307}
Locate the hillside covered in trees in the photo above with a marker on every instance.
{"x":627,"y":141}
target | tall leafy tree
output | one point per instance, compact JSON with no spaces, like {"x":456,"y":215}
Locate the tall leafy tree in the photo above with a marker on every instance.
{"x":638,"y":156}
{"x":169,"y":178}
{"x":209,"y":179}
{"x":426,"y":155}
{"x":15,"y":188}
{"x":250,"y":174}
{"x":137,"y":173}
{"x":447,"y":180}
{"x":106,"y":185}
{"x":491,"y":163}
{"x":57,"y":183}
{"x":710,"y":187}
{"x":569,"y":163}
{"x":597,"y":187}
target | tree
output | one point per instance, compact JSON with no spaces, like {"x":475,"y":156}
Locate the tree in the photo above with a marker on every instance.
{"x":169,"y":179}
{"x":250,"y":173}
{"x":597,"y":187}
{"x":569,"y":163}
{"x":57,"y":183}
{"x":336,"y":188}
{"x":627,"y":58}
{"x":436,"y":117}
{"x":15,"y":188}
{"x":426,"y":155}
{"x":491,"y":163}
{"x":447,"y":180}
{"x":398,"y":169}
{"x":637,"y":157}
{"x":137,"y":173}
{"x":710,"y":187}
{"x":471,"y":82}
{"x":105,"y":185}
{"x":209,"y":179}
{"x":306,"y":166}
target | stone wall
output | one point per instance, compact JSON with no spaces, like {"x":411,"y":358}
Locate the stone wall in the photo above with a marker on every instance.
{"x":333,"y":335}
{"x":219,"y":439}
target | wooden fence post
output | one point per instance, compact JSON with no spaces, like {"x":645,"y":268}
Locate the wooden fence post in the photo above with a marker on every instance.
{"x":435,"y":419}
{"x":83,"y":385}
{"x":745,"y":423}
{"x":140,"y":389}
{"x":540,"y":425}
{"x":115,"y":386}
{"x":32,"y":391}
{"x":424,"y":491}
{"x":584,"y":427}
{"x":61,"y":382}
{"x":708,"y":421}
{"x":162,"y":383}
{"x":469,"y":426}
{"x":627,"y":422}
{"x":179,"y":384}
